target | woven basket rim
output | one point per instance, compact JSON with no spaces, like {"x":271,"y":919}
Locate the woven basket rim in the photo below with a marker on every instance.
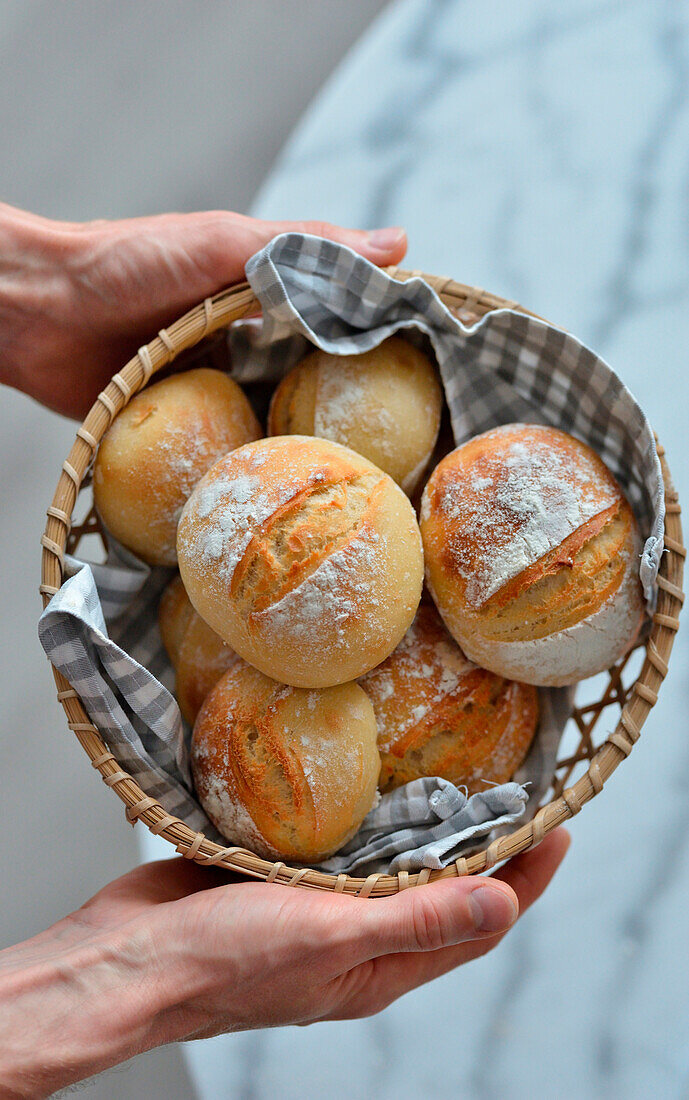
{"x":218,"y":312}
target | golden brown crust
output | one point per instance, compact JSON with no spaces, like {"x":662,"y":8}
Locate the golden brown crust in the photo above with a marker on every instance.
{"x":527,"y":535}
{"x":304,"y":556}
{"x":293,"y":404}
{"x":285,"y":771}
{"x":384,"y":403}
{"x":174,"y":614}
{"x":440,"y":715}
{"x":294,"y":540}
{"x":490,"y":492}
{"x":202,"y":659}
{"x":198,"y":655}
{"x":569,"y":585}
{"x":157,"y":449}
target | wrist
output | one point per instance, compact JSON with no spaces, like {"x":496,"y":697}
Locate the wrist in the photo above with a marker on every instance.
{"x":92,"y":1004}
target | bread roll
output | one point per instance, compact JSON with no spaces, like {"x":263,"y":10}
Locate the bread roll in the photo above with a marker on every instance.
{"x":385,"y":404}
{"x":286,"y":772}
{"x":304,"y":557}
{"x":156,"y":450}
{"x":174,"y":614}
{"x":532,"y":555}
{"x":202,"y":660}
{"x":199,"y":656}
{"x":439,"y":714}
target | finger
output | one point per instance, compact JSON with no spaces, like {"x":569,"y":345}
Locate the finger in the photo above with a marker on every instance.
{"x":178,"y":259}
{"x":370,"y":987}
{"x":380,"y":246}
{"x":232,"y":239}
{"x":528,"y":874}
{"x":446,"y":913}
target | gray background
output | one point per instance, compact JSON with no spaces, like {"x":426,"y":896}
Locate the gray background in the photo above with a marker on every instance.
{"x":116,"y":108}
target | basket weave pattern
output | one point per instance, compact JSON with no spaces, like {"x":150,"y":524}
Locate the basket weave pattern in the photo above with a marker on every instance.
{"x":598,"y":762}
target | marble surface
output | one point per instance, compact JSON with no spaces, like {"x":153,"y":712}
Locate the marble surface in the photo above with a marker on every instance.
{"x":539,"y":150}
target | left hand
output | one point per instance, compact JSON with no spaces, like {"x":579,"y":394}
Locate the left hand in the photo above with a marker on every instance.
{"x":78,"y":300}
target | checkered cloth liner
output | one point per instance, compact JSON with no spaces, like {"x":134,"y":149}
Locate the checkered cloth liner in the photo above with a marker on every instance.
{"x":507,"y":367}
{"x":435,"y":810}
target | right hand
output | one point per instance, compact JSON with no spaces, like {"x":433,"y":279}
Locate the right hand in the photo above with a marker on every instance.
{"x":165,"y":953}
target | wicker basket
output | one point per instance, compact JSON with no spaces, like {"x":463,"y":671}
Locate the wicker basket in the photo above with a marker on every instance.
{"x":595,"y":762}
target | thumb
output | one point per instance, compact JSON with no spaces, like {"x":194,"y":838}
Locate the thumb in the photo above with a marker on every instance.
{"x":224,"y":242}
{"x":380,"y":246}
{"x":175,"y":260}
{"x":440,"y":915}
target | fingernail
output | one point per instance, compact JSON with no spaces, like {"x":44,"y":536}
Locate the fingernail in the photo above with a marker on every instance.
{"x":491,"y":910}
{"x":385,"y":238}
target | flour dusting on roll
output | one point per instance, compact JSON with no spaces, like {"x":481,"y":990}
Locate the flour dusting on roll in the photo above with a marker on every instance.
{"x":305,"y":557}
{"x":286,"y":771}
{"x":439,"y":714}
{"x":384,"y":403}
{"x":532,"y":555}
{"x":155,"y":451}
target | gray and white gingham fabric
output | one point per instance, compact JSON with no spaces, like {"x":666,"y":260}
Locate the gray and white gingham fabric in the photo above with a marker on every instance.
{"x":101,"y":630}
{"x":508,"y":367}
{"x":433,"y":811}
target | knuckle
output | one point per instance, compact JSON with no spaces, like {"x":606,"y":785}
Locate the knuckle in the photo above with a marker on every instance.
{"x":429,"y":929}
{"x":319,"y":228}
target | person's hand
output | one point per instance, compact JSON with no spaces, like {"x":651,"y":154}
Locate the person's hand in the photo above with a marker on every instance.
{"x":76,"y":301}
{"x":164,"y":953}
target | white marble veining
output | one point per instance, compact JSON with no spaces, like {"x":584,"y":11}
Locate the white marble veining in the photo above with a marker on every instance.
{"x":540,"y":150}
